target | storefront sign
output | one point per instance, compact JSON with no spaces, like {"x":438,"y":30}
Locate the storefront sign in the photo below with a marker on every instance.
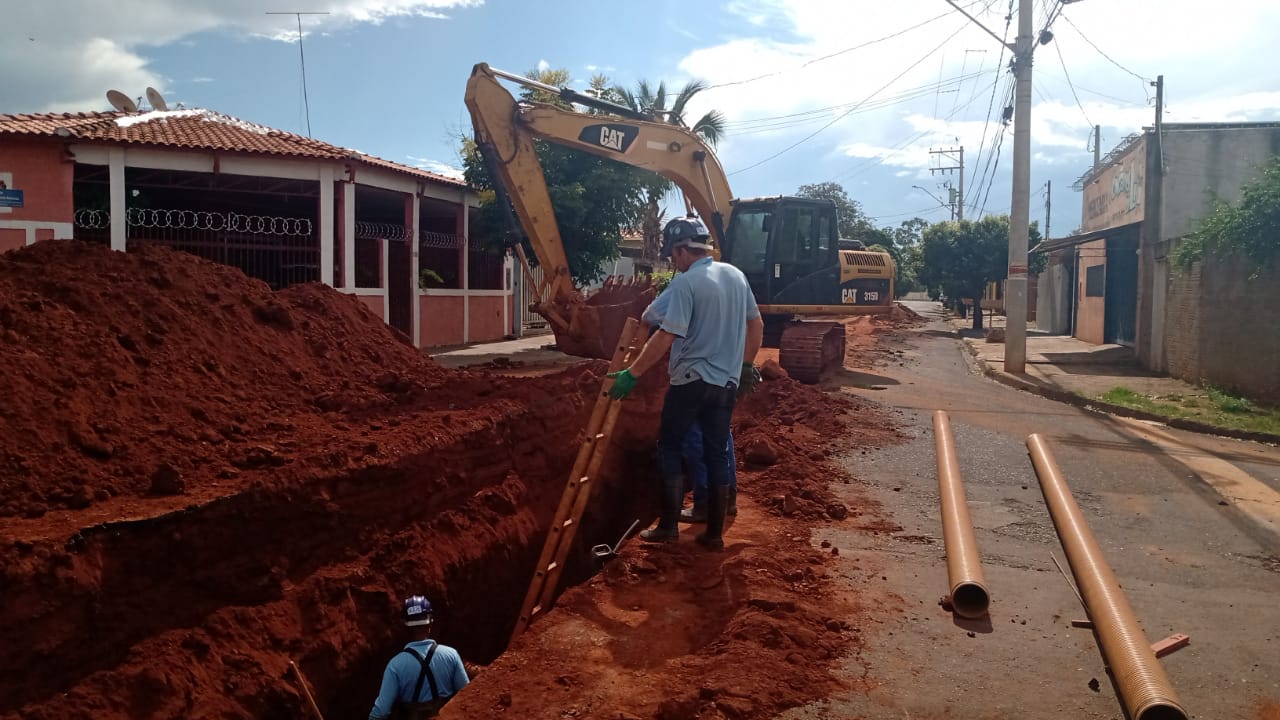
{"x":10,"y":198}
{"x":1114,"y":196}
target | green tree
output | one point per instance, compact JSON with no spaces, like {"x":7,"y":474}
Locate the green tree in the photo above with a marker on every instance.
{"x":854,"y":223}
{"x":594,"y":198}
{"x":906,"y":240}
{"x":960,"y":258}
{"x":1250,"y":228}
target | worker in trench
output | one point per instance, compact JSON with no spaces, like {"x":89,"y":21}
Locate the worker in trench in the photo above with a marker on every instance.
{"x":713,"y":330}
{"x":695,"y":463}
{"x":422,"y":677}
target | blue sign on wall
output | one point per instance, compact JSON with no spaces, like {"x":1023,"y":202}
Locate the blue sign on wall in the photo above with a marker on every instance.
{"x":10,"y":198}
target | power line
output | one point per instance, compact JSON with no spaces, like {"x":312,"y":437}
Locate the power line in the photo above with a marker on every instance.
{"x":766,"y":124}
{"x":303,"y":61}
{"x":1103,"y":54}
{"x":873,"y":162}
{"x":848,"y":112}
{"x":834,"y":54}
{"x":1008,"y":19}
{"x":1058,"y":47}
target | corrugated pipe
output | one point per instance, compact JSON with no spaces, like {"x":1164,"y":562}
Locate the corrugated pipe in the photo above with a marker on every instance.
{"x":1144,"y":688}
{"x":969,"y":597}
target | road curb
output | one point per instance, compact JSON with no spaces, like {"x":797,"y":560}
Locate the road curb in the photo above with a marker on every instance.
{"x":1086,"y":403}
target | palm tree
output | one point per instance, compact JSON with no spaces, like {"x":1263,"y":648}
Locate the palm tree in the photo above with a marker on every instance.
{"x":709,"y":127}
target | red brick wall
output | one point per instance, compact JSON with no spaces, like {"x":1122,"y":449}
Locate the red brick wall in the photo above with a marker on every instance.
{"x":1221,"y":328}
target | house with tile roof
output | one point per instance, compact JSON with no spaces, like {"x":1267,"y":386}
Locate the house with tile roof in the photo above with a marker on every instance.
{"x":282,"y":207}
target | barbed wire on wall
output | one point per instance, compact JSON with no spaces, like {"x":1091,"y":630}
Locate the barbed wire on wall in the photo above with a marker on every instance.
{"x":92,"y":219}
{"x":379,"y":231}
{"x":199,"y":220}
{"x":431,"y":239}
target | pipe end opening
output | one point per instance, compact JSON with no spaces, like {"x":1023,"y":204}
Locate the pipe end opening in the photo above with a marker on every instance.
{"x":970,"y":600}
{"x":1162,"y":711}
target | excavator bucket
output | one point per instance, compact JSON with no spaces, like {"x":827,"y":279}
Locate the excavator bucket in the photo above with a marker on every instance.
{"x":590,"y":326}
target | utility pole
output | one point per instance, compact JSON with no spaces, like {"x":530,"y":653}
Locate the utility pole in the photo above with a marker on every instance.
{"x":303,"y":60}
{"x":1159,"y":85}
{"x":958,"y":200}
{"x":1015,"y":338}
{"x":1048,"y":205}
{"x":1097,"y":146}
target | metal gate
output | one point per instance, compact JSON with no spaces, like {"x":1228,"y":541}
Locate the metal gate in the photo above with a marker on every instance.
{"x":529,"y":319}
{"x":1121,"y":311}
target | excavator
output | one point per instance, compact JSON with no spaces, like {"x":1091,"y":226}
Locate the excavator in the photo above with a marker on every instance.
{"x":788,"y":247}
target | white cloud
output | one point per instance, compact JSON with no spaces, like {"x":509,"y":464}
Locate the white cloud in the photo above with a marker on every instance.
{"x":436,"y":166}
{"x":543,"y":66}
{"x":1211,"y":61}
{"x":79,"y":49}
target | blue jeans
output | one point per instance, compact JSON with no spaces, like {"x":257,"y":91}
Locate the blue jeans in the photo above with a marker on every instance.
{"x":710,"y":408}
{"x":697,"y":465}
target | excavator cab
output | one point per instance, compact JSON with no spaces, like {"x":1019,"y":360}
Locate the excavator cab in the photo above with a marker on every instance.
{"x":787,"y":248}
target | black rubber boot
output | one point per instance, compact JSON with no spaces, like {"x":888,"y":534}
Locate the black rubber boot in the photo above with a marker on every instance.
{"x":733,"y":502}
{"x":696,"y":514}
{"x":668,"y":527}
{"x":717,"y":505}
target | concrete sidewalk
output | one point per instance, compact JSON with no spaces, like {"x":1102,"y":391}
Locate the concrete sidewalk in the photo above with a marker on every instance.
{"x":1071,"y":370}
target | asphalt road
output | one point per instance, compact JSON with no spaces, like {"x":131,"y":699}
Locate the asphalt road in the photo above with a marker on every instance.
{"x":1190,"y":557}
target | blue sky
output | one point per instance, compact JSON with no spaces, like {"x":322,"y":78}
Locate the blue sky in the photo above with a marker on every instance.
{"x":852,"y":91}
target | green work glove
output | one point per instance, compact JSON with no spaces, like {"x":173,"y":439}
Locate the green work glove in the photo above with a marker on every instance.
{"x":623,"y":383}
{"x":748,"y":379}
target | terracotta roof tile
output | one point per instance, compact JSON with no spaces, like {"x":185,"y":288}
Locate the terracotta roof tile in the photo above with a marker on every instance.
{"x":194,"y":129}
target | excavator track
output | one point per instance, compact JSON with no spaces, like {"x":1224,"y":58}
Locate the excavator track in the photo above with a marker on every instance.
{"x":808,"y":349}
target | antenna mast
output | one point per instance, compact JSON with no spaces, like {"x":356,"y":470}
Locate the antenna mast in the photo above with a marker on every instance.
{"x":303,"y":60}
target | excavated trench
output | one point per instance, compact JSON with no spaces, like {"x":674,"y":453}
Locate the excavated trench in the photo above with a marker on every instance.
{"x":202,"y":480}
{"x":203,"y":608}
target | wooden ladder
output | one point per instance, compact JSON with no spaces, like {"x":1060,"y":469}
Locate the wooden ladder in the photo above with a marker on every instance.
{"x":578,"y":490}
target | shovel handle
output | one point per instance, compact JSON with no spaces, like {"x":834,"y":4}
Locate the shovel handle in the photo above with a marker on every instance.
{"x":306,"y":692}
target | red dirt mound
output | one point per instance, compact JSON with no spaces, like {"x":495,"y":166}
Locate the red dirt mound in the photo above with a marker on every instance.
{"x":155,"y":373}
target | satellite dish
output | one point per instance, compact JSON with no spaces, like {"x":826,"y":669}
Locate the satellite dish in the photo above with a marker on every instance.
{"x":121,"y":102}
{"x":156,"y":99}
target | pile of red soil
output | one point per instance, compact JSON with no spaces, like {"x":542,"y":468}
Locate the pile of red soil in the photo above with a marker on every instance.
{"x":153,"y":373}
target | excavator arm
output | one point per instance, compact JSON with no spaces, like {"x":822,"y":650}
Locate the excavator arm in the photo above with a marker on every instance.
{"x":504,"y":131}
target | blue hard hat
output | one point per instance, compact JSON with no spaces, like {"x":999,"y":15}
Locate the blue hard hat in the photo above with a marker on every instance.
{"x":417,"y":611}
{"x":685,"y":232}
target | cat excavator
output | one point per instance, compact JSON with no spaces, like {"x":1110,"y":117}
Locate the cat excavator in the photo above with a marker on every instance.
{"x":788,"y":247}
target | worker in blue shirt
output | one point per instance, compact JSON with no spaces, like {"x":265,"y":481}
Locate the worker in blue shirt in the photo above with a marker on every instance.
{"x":694,"y":460}
{"x":713,"y":331}
{"x":423,"y":676}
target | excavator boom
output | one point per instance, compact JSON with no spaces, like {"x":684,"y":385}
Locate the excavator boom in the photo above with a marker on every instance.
{"x":505,"y":129}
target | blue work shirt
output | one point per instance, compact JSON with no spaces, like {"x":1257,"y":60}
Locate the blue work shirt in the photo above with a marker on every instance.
{"x":402,"y":674}
{"x":707,"y":308}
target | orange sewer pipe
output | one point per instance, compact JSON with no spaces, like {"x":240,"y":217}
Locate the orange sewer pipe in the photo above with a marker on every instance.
{"x":1144,"y":688}
{"x":969,"y":597}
